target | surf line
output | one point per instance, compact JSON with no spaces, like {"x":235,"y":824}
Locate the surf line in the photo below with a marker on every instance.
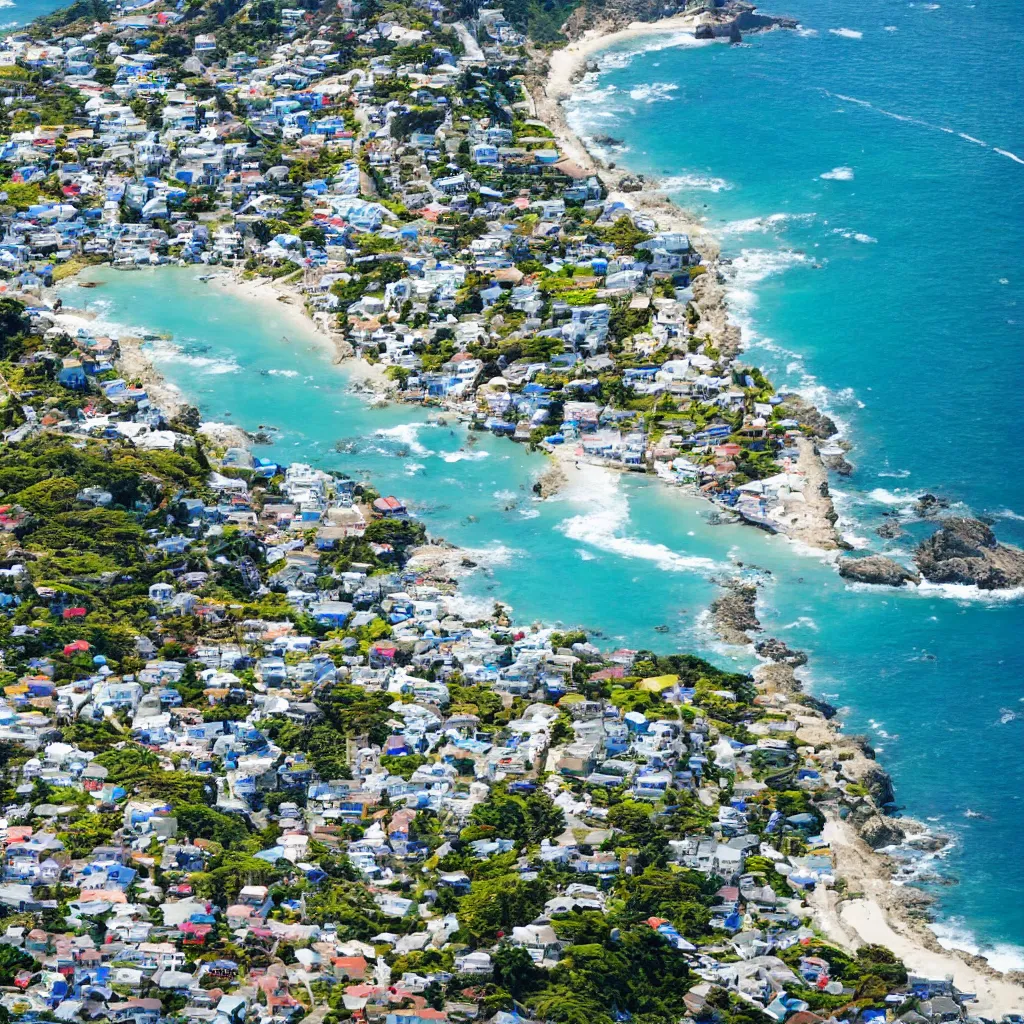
{"x":922,"y":123}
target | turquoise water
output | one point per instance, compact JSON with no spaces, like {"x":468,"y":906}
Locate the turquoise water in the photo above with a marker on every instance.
{"x":866,"y":176}
{"x":17,"y":13}
{"x":928,"y":677}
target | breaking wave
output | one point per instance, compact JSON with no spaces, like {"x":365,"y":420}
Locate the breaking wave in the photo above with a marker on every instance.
{"x":702,"y":182}
{"x":653,"y":93}
{"x":172,"y":354}
{"x":846,"y":33}
{"x":838,"y":174}
{"x":954,"y":934}
{"x":603,"y":527}
{"x":405,"y":434}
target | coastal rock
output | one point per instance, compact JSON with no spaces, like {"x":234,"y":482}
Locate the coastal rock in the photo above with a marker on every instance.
{"x":823,"y":707}
{"x":705,"y":31}
{"x":779,"y":651}
{"x":877,"y":570}
{"x":776,"y":677}
{"x":796,"y":407}
{"x":879,"y":831}
{"x":966,"y":551}
{"x":734,"y":33}
{"x":837,"y":462}
{"x":733,"y":614}
{"x":930,"y":505}
{"x":890,"y":530}
{"x":878,"y":783}
{"x":551,"y":481}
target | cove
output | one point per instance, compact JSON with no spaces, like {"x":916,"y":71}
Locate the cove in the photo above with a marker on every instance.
{"x":927,"y":676}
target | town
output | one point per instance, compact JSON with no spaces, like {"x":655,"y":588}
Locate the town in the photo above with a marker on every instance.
{"x":257,"y":764}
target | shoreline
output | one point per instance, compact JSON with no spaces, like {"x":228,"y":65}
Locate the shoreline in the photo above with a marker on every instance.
{"x":880,"y":912}
{"x":806,"y":522}
{"x":881,"y":915}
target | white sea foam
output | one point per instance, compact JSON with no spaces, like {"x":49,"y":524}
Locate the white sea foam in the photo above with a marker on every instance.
{"x":954,"y":934}
{"x":7,"y":3}
{"x":969,"y":593}
{"x":971,"y":138}
{"x":891,"y":28}
{"x":899,"y":474}
{"x":494,"y":555}
{"x":771,"y":222}
{"x":603,"y":527}
{"x":585,"y":555}
{"x":173,"y":355}
{"x":847,"y":33}
{"x":803,"y":622}
{"x":702,"y":182}
{"x":405,"y":434}
{"x":880,"y":494}
{"x":1008,"y":513}
{"x":838,"y":174}
{"x":806,"y":33}
{"x":411,"y":468}
{"x":469,"y":607}
{"x":653,"y":92}
{"x":855,"y":236}
{"x":465,"y":456}
{"x":529,"y":513}
{"x":283,"y":373}
{"x":1005,"y":152}
{"x":750,"y":268}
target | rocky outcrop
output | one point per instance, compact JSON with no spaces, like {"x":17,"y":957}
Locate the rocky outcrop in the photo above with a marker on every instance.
{"x":551,"y":481}
{"x":795,"y":407}
{"x":966,"y":551}
{"x":779,"y":651}
{"x":930,"y":505}
{"x":877,"y":570}
{"x":776,"y":677}
{"x":878,"y":831}
{"x":837,"y":462}
{"x":878,"y":783}
{"x":733,"y":613}
{"x":890,"y":529}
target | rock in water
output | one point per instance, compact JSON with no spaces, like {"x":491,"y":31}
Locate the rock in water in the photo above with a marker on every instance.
{"x":876,"y":569}
{"x":966,"y":551}
{"x":704,"y":31}
{"x":734,"y":33}
{"x":890,"y":529}
{"x":930,"y":505}
{"x":779,"y":651}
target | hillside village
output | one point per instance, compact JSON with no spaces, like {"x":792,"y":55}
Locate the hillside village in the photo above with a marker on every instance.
{"x":383,"y":166}
{"x":257,"y":766}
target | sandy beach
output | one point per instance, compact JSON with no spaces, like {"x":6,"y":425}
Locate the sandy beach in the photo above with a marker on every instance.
{"x":287,"y":300}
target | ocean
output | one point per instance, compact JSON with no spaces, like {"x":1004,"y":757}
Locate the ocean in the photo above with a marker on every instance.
{"x":908,"y":339}
{"x":16,"y":14}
